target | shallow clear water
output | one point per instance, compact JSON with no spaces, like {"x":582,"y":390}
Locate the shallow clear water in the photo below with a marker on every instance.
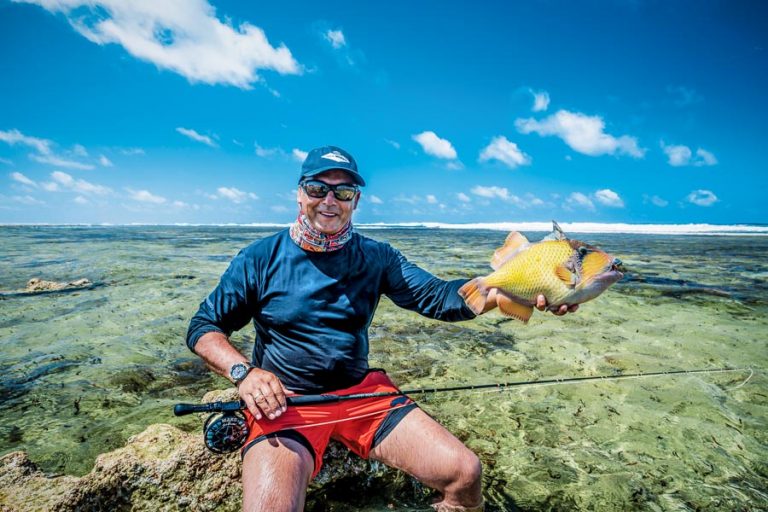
{"x":81,"y":371}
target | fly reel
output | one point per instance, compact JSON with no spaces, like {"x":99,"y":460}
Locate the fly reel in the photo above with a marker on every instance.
{"x":225,"y":432}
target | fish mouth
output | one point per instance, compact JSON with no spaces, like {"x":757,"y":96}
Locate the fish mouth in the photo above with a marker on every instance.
{"x":618,"y":268}
{"x":610,"y":276}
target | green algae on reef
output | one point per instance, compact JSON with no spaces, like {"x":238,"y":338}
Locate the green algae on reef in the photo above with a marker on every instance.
{"x":81,"y":372}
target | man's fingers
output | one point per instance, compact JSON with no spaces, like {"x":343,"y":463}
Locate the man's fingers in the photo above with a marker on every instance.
{"x":573,"y":307}
{"x":541,"y":303}
{"x":252,"y":407}
{"x":279,"y":393}
{"x":269,"y":404}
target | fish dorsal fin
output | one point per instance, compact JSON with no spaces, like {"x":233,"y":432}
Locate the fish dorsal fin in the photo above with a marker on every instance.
{"x":514,"y":242}
{"x":556,"y":234}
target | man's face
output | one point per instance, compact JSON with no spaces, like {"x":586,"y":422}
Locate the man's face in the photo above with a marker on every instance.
{"x":328,"y":215}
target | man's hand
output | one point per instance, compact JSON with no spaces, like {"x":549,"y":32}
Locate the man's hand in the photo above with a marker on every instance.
{"x":263,"y":394}
{"x":541,"y":305}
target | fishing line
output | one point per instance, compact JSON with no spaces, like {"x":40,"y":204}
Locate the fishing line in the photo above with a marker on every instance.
{"x":183,"y":409}
{"x":226,"y":428}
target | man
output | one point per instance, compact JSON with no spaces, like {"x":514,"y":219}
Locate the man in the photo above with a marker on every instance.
{"x":311,"y":292}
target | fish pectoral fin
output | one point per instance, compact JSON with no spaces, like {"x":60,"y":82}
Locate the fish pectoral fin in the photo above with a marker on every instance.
{"x":514,"y":242}
{"x":565,"y":275}
{"x":511,"y":308}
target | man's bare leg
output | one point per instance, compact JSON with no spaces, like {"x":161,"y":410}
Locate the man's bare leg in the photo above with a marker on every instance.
{"x":426,"y":450}
{"x":276,"y":473}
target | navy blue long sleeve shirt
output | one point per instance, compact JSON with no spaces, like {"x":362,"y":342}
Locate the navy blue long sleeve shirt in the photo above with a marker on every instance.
{"x":311,"y":311}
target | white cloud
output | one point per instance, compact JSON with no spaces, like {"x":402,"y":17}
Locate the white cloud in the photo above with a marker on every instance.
{"x":6,"y":161}
{"x":502,"y":193}
{"x":80,"y":186}
{"x":704,"y":157}
{"x":299,"y":154}
{"x":414,"y":199}
{"x":579,"y":200}
{"x":235,"y":195}
{"x":27,"y":200}
{"x":435,"y":146}
{"x":431,"y":199}
{"x":336,"y":38}
{"x":680,"y":156}
{"x":610,"y":198}
{"x":50,"y":186}
{"x":540,"y":101}
{"x":267,"y":152}
{"x":504,"y":151}
{"x":145,"y":196}
{"x":655,"y":200}
{"x":393,"y":143}
{"x":464,"y":198}
{"x":677,"y":156}
{"x":702,"y":197}
{"x":132,"y":151}
{"x":79,"y":150}
{"x":374,"y":199}
{"x":14,"y":137}
{"x":491,"y":192}
{"x":192,"y":134}
{"x":105,"y":162}
{"x":43,"y":150}
{"x":61,"y":162}
{"x":80,"y":200}
{"x":184,"y":36}
{"x":17,"y":176}
{"x":583,"y":133}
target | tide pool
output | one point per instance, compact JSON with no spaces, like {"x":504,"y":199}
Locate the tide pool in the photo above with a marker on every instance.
{"x":81,"y":371}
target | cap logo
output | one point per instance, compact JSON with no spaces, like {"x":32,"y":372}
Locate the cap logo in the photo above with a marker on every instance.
{"x":336,"y":157}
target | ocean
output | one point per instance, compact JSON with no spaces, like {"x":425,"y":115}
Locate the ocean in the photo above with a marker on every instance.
{"x":83,"y":370}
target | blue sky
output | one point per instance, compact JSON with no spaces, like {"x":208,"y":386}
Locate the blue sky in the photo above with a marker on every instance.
{"x":195,"y":111}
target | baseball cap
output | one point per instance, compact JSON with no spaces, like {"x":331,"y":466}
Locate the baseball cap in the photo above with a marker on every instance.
{"x":326,"y":158}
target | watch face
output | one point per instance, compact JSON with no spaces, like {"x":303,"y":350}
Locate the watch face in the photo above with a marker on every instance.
{"x":238,"y":371}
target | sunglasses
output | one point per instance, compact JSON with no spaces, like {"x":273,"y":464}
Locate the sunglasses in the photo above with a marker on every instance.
{"x":319,"y":189}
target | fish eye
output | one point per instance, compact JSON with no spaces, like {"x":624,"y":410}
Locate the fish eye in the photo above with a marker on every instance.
{"x":583,"y":250}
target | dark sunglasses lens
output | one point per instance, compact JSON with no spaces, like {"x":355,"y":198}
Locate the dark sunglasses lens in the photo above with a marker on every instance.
{"x":344,"y":192}
{"x":316,"y":189}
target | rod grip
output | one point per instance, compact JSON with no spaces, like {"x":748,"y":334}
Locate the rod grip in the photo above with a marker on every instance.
{"x":184,"y":409}
{"x":311,"y":399}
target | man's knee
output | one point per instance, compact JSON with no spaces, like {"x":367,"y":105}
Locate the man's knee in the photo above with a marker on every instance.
{"x":470,"y":472}
{"x":275,"y":475}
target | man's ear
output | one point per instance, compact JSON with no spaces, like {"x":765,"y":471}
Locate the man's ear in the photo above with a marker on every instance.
{"x":298,"y":200}
{"x":356,"y":200}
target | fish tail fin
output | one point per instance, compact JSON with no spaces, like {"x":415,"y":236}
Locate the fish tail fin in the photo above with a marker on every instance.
{"x":474,"y":294}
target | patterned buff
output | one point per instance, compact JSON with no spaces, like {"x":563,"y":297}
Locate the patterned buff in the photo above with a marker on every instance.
{"x":310,"y":239}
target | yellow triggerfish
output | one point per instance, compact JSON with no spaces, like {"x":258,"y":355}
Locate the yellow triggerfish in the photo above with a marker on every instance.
{"x":564,"y":271}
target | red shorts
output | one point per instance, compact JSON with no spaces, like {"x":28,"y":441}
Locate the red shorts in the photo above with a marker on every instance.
{"x":360,"y":423}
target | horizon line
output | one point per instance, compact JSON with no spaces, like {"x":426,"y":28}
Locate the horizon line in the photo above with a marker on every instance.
{"x":741,"y":229}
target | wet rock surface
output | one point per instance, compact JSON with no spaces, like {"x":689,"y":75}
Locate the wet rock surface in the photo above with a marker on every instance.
{"x":165,"y":468}
{"x":37,"y":286}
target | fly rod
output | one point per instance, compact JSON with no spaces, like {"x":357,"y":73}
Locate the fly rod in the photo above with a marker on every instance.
{"x":183,"y":409}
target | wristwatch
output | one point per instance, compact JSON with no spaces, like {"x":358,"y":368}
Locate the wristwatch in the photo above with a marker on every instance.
{"x":239,"y":371}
